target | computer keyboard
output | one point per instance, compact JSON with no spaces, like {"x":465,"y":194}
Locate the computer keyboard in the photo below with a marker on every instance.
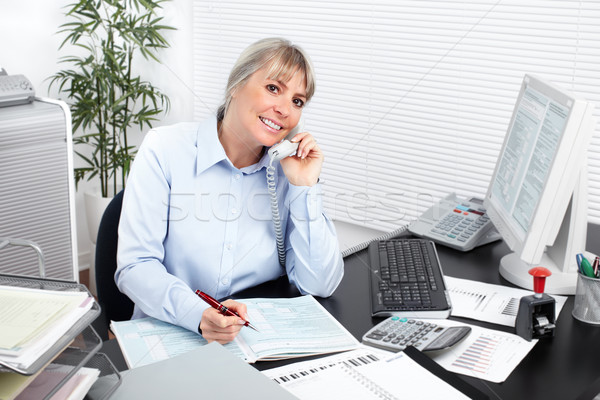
{"x":407,"y":280}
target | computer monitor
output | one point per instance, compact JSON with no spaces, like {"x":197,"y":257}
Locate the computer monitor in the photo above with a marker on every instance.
{"x":537,"y":197}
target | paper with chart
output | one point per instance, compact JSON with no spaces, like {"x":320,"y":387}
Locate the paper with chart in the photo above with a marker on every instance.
{"x":287,"y":328}
{"x":487,"y":302}
{"x":486,"y":354}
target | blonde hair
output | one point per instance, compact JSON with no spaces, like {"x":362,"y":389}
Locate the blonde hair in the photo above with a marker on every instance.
{"x":284,"y":60}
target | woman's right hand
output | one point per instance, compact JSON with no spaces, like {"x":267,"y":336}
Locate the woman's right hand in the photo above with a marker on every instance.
{"x":216,"y":327}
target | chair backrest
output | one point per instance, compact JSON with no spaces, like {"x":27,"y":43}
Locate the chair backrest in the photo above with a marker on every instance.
{"x":115,"y":305}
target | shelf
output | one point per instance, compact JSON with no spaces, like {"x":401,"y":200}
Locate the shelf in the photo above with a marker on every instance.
{"x":78,"y":354}
{"x":82,"y":352}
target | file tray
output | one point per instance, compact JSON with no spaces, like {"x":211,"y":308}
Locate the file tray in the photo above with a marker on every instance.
{"x":76,"y":355}
{"x":109,"y":379}
{"x":69,"y":336}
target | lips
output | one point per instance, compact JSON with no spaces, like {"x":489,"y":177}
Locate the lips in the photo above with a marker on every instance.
{"x":270,"y":123}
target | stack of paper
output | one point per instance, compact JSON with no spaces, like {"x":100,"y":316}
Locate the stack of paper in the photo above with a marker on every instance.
{"x":32,"y":321}
{"x":12,"y":383}
{"x":74,"y":389}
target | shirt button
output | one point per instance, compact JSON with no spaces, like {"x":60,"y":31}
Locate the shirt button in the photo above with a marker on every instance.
{"x":229,"y":246}
{"x":237,"y":176}
{"x":234,"y":210}
{"x":225,"y":281}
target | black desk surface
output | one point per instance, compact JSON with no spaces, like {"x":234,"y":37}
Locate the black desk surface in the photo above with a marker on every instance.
{"x":564,"y":367}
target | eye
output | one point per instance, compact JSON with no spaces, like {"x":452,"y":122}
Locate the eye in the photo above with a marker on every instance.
{"x":299,"y":103}
{"x":272,"y":88}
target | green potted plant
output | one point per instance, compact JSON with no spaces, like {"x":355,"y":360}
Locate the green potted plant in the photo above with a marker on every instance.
{"x":106,"y":97}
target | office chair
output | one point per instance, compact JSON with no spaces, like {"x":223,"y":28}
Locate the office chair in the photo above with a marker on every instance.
{"x":115,"y":305}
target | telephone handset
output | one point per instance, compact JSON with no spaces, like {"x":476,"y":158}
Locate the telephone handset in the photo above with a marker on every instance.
{"x":277,"y":152}
{"x":286,"y":148}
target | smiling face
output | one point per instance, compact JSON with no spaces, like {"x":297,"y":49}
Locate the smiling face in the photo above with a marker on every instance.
{"x":265,"y":109}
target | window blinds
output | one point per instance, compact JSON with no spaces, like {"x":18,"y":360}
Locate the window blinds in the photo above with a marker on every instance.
{"x":413,"y":97}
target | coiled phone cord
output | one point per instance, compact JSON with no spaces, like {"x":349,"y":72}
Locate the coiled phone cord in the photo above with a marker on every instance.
{"x":272,"y":189}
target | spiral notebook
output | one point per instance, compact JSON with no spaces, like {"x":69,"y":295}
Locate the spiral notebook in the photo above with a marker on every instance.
{"x":354,"y":238}
{"x":405,"y":375}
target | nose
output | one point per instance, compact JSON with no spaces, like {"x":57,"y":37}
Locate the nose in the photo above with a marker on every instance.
{"x":282,"y":107}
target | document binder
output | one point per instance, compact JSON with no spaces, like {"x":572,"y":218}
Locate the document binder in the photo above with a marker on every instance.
{"x":209,"y":372}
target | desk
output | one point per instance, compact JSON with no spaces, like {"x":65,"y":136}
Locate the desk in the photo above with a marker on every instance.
{"x":563,"y":367}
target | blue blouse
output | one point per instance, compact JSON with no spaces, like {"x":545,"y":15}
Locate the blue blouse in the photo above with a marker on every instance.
{"x":192,"y":220}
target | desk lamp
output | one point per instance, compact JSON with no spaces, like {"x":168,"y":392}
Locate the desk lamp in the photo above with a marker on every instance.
{"x":536,"y":315}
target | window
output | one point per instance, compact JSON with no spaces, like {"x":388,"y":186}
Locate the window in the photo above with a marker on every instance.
{"x":413,"y":98}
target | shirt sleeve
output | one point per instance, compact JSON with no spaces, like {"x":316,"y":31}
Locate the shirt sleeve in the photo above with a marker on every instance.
{"x":143,"y":227}
{"x":314,"y":262}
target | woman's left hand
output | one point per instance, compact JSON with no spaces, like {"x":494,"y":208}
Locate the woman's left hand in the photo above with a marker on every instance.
{"x":304,"y":169}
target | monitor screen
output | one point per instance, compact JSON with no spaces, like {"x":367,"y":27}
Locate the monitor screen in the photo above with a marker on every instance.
{"x":537,"y":197}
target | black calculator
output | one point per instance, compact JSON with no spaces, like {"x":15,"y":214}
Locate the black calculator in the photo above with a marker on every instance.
{"x":397,"y":333}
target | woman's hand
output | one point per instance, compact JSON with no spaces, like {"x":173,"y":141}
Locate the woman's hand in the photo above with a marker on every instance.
{"x":217,"y":327}
{"x":304,"y":169}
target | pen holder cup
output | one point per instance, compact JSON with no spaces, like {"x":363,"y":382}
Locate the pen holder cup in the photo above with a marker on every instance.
{"x":587,"y":300}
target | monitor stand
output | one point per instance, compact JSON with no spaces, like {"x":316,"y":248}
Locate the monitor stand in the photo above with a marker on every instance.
{"x":560,"y":258}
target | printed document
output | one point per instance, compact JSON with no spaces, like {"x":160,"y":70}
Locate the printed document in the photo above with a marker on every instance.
{"x":33,"y":320}
{"x":25,"y":313}
{"x":486,"y":354}
{"x":148,"y":340}
{"x":293,"y":327}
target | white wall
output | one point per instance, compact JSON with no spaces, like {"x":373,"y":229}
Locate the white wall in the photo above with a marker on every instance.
{"x":30,"y":44}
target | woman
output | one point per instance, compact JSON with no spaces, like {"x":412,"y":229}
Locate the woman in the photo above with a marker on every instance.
{"x":196,"y":212}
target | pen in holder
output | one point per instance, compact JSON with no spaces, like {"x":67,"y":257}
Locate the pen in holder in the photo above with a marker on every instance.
{"x":587,"y":293}
{"x":587,"y":299}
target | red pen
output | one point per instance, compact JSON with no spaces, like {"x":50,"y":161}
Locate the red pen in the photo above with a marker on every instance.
{"x":221,"y":308}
